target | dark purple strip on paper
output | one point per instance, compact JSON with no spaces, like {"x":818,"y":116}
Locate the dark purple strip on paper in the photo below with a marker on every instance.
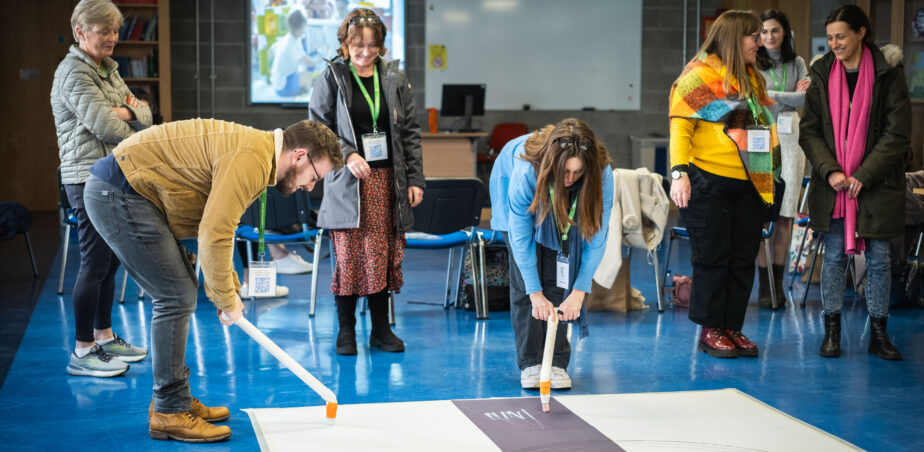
{"x":518,"y":424}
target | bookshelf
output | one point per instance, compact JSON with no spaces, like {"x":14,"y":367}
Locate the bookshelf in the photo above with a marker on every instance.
{"x":143,"y":53}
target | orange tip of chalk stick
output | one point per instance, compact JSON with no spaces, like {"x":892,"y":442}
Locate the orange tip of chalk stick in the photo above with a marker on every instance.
{"x":545,"y":387}
{"x":331,"y":410}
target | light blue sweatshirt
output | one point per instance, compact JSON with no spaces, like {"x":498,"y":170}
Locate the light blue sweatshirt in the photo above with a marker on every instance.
{"x":513,"y":187}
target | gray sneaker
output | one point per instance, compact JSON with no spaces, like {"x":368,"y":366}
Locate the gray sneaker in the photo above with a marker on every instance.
{"x":123,"y":350}
{"x":97,"y":363}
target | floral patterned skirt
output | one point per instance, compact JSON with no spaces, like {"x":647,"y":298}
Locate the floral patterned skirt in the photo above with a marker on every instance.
{"x":369,"y":257}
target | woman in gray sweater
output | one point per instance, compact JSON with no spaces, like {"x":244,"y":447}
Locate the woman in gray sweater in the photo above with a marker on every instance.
{"x":787,"y":80}
{"x":94,"y":111}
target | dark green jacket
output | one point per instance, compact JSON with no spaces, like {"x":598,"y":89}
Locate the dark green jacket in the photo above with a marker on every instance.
{"x":882,"y":200}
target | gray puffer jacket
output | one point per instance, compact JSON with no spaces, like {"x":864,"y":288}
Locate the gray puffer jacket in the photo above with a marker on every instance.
{"x":82,"y":98}
{"x":329,"y":103}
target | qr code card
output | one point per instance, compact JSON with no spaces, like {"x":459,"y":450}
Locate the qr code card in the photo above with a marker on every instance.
{"x":262,"y":279}
{"x":758,"y":140}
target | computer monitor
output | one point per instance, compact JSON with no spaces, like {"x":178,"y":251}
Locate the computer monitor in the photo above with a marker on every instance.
{"x":465,"y":101}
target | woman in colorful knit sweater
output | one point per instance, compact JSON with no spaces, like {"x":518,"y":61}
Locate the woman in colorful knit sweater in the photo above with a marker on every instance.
{"x":787,"y":80}
{"x":725,"y":165}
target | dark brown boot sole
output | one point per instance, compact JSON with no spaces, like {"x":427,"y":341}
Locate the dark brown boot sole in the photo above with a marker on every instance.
{"x":394,"y":348}
{"x":157,"y":434}
{"x":346,"y":350}
{"x":884,"y":355}
{"x":217,"y":419}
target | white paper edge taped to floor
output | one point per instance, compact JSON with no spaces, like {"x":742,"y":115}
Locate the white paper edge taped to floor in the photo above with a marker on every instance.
{"x":636,"y":422}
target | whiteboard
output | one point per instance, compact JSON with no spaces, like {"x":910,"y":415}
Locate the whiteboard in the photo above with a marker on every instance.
{"x":548,"y":54}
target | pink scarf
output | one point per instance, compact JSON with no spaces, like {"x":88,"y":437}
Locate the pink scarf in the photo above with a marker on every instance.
{"x":850,"y":137}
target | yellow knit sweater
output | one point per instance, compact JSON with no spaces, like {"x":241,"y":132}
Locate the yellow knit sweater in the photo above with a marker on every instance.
{"x":705,"y":145}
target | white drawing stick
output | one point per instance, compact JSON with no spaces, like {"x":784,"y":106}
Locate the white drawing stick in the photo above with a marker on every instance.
{"x":290,"y":363}
{"x":545,"y":371}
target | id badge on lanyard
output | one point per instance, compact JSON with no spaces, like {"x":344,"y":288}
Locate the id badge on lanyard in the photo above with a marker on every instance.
{"x":562,"y":268}
{"x":758,"y":139}
{"x":784,"y":122}
{"x":262,"y":278}
{"x":758,"y":134}
{"x":262,"y":275}
{"x":375,"y":146}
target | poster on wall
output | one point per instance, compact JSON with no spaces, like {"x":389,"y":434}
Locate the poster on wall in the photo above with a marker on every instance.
{"x":916,"y":76}
{"x":292,"y":40}
{"x":916,"y":27}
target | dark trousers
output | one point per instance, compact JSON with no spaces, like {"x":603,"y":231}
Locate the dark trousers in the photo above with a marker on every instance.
{"x":724,"y":217}
{"x":529,"y":333}
{"x":95,"y":286}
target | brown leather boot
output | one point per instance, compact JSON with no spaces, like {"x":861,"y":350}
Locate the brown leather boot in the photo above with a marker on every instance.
{"x":186,"y":427}
{"x":208,"y":414}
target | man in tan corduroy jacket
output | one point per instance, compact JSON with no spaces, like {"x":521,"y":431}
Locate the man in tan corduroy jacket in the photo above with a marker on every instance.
{"x":194,"y":179}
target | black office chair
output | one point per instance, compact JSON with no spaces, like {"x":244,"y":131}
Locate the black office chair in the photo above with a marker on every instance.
{"x":448,"y":217}
{"x":16,"y":219}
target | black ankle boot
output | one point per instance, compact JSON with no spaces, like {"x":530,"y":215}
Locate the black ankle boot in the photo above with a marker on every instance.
{"x":381,"y":335}
{"x":763,"y":288}
{"x":831,"y":345}
{"x":346,"y":315}
{"x":879,"y":343}
{"x":778,"y":273}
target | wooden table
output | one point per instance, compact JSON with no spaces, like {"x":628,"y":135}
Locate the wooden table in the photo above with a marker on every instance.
{"x":450,"y":154}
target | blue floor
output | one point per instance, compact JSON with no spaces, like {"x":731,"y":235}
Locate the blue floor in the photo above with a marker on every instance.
{"x":872,"y":403}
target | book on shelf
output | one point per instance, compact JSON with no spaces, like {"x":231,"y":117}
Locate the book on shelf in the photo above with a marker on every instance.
{"x":137,"y":28}
{"x":137,"y":67}
{"x":127,"y":26}
{"x":151,"y":32}
{"x":135,"y":34}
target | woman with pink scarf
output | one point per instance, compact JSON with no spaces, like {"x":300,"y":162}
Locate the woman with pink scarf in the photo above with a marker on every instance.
{"x":855,"y":132}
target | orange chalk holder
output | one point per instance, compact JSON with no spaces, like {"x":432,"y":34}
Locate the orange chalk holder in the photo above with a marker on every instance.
{"x":331,"y":410}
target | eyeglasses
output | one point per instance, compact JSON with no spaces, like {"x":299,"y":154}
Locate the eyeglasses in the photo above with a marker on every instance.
{"x":365,"y":20}
{"x":567,"y":142}
{"x":755,"y":37}
{"x":317,"y":175}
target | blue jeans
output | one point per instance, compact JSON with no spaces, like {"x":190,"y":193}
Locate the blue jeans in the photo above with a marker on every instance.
{"x":138,"y":234}
{"x":834,"y":272}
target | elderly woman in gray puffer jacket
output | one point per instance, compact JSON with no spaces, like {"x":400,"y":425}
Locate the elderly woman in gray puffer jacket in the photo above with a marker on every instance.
{"x":94,"y":111}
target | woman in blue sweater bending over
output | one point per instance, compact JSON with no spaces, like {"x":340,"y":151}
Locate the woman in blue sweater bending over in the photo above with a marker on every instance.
{"x":551,"y":196}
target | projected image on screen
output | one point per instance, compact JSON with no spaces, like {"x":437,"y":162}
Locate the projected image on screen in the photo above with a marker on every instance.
{"x":291,"y":39}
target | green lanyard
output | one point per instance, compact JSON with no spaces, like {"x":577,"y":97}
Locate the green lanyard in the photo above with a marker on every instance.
{"x":779,"y":86}
{"x":261,"y":247}
{"x":373,"y":107}
{"x":564,"y":236}
{"x":757,"y":111}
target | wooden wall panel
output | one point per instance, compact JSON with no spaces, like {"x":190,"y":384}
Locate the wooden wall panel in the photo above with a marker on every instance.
{"x":34,"y":37}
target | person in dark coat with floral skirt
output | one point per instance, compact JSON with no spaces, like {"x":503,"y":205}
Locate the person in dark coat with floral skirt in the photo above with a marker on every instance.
{"x":367,"y":205}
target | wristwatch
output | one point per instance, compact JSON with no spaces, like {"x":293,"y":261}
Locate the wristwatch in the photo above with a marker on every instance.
{"x":677,"y":174}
